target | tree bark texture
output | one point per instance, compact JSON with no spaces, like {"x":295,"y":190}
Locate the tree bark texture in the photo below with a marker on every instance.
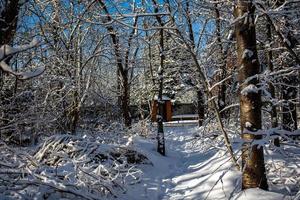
{"x":200,"y":106}
{"x":160,"y":127}
{"x":221,"y":63}
{"x":254,"y":173}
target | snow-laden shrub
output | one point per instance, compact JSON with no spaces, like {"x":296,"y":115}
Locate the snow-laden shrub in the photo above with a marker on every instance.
{"x":281,"y":163}
{"x":142,"y":128}
{"x":70,"y":166}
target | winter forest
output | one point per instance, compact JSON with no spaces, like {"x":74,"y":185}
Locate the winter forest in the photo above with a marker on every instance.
{"x":149,"y":99}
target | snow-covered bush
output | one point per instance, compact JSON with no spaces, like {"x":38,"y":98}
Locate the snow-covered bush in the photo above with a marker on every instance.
{"x":69,"y":166}
{"x":142,"y":128}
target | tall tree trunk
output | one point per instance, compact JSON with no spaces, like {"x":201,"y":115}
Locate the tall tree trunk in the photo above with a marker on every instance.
{"x":254,"y":173}
{"x":126,"y":85}
{"x":160,"y":127}
{"x":122,"y":70}
{"x":8,"y":25}
{"x":221,"y":63}
{"x":74,"y":113}
{"x":200,"y":94}
{"x":76,"y":105}
{"x":8,"y":22}
{"x":119,"y":88}
{"x":200,"y":106}
{"x":274,"y":120}
{"x":125,"y":100}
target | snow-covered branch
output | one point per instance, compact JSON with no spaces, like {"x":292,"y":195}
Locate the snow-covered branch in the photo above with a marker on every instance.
{"x":8,"y":51}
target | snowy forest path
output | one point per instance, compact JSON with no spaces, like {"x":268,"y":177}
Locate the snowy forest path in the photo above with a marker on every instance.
{"x":196,"y":167}
{"x":184,"y":169}
{"x":181,"y":145}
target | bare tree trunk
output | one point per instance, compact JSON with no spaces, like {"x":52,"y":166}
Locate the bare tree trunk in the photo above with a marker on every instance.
{"x":74,"y":113}
{"x":125,"y":100}
{"x":160,"y":127}
{"x":274,"y":120}
{"x":254,"y":173}
{"x":126,"y":85}
{"x":76,"y":105}
{"x":122,"y":70}
{"x":8,"y":25}
{"x":200,"y":106}
{"x":119,"y":88}
{"x":8,"y":22}
{"x":200,"y":93}
{"x":222,"y":63}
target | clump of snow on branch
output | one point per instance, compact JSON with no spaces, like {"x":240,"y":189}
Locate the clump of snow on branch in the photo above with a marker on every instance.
{"x":248,"y":125}
{"x":7,"y":51}
{"x":249,"y":89}
{"x":247,"y":54}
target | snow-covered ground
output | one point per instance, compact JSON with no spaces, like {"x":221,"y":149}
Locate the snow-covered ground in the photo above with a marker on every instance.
{"x":126,"y":166}
{"x":197,"y":169}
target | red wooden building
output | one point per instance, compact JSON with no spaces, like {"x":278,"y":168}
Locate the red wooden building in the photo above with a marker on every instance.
{"x":167,"y":115}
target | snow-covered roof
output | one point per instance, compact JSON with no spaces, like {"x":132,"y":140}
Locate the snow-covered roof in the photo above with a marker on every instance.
{"x":164,"y":98}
